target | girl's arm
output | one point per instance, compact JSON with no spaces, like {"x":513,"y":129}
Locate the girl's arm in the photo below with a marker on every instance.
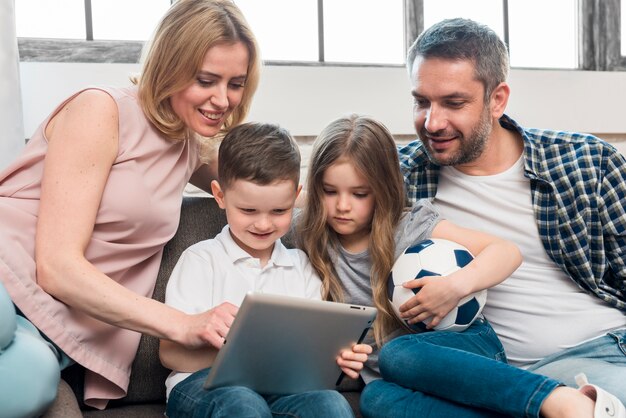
{"x":494,"y":260}
{"x":83,"y":144}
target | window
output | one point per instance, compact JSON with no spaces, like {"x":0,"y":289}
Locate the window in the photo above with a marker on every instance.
{"x":50,"y":19}
{"x":488,"y":12}
{"x":354,"y":31}
{"x":130,"y":20}
{"x":285,"y":29}
{"x":570,"y":34}
{"x":543,"y":40}
{"x":536,"y":40}
{"x":126,"y":20}
{"x":364,"y":31}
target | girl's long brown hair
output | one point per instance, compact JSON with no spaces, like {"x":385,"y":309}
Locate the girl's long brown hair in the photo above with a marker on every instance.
{"x":369,"y":146}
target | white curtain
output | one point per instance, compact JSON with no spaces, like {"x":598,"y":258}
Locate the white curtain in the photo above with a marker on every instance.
{"x":11,"y":119}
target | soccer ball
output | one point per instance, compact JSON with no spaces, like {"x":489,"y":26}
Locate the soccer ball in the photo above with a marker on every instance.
{"x":434,"y":257}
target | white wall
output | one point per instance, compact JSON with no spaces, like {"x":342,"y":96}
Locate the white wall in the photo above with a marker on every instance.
{"x":303,"y":99}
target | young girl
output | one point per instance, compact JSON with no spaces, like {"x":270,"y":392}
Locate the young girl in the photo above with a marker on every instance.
{"x":353,"y":227}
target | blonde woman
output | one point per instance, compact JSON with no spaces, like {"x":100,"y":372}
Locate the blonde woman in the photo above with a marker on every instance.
{"x":87,"y":207}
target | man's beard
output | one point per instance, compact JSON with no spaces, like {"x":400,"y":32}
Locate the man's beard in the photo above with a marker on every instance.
{"x":469,"y":149}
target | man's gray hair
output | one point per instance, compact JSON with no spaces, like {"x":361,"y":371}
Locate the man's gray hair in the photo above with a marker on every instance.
{"x":464,"y":39}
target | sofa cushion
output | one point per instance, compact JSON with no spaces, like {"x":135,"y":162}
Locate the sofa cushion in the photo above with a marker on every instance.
{"x":65,"y":405}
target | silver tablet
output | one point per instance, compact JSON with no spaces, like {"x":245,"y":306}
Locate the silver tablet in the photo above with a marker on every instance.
{"x":283,"y":345}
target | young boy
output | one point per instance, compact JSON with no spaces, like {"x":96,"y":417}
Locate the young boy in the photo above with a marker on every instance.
{"x":258,"y":182}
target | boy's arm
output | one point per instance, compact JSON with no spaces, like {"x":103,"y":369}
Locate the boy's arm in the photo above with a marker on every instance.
{"x":176,"y":357}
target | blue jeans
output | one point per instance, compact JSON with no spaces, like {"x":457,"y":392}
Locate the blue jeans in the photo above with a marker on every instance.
{"x":188,"y":399}
{"x":30,"y":366}
{"x":444,"y":374}
{"x":603,"y":360}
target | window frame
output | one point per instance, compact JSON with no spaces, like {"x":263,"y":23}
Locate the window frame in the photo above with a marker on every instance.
{"x":599,"y":48}
{"x":114,"y":51}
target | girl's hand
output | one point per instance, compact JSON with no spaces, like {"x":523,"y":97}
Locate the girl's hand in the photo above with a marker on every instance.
{"x":351,"y":361}
{"x":437,"y":296}
{"x":211,"y":326}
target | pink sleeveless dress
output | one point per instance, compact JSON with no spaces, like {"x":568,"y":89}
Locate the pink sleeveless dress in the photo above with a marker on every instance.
{"x":139,"y":213}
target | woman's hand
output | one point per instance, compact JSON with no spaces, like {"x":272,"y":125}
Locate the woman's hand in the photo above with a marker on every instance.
{"x":351,"y":361}
{"x":210,"y":327}
{"x":200,"y":341}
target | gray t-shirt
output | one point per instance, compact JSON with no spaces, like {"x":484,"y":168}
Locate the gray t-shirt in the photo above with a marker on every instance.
{"x":354,"y":269}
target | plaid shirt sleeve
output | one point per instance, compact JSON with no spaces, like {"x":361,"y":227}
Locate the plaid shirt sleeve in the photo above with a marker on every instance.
{"x":420,"y":175}
{"x":579,"y":189}
{"x":612,"y":195}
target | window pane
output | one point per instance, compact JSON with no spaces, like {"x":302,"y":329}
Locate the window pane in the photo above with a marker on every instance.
{"x":364,"y":31}
{"x":286,"y":29}
{"x":547,"y":39}
{"x":487,"y":12}
{"x":64,"y":19}
{"x":126,"y":20}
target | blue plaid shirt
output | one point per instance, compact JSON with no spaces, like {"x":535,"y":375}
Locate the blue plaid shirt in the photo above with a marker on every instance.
{"x":578,"y":186}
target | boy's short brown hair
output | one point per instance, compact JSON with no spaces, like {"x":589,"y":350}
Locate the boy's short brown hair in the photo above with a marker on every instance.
{"x":258,"y":152}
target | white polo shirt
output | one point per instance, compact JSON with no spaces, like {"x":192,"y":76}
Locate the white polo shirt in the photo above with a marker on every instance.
{"x":218,"y":270}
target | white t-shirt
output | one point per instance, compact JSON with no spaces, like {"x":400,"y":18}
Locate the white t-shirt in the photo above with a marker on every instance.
{"x":218,"y":270}
{"x":539,"y":310}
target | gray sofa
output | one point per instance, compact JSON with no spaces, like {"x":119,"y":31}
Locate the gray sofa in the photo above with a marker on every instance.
{"x":201,"y":218}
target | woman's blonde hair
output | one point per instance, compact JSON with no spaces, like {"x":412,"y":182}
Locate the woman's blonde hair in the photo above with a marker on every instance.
{"x":173,"y":58}
{"x":369,"y":146}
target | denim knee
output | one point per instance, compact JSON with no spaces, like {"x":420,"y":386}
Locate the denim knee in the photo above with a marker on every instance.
{"x":332,"y":403}
{"x":239,"y":401}
{"x":393,"y":354}
{"x":312,"y":404}
{"x":372,"y":400}
{"x":233,"y":401}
